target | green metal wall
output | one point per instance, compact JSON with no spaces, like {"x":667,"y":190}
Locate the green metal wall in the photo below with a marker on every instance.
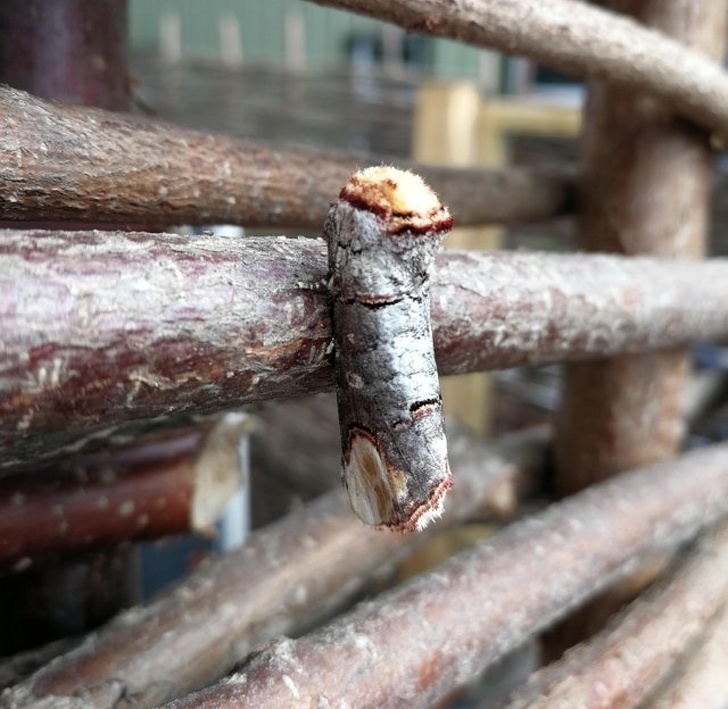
{"x":262,"y":23}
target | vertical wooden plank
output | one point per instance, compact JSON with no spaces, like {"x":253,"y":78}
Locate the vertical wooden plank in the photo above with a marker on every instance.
{"x":644,"y":190}
{"x":444,"y":133}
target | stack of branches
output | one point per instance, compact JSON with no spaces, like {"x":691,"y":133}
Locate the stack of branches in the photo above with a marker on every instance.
{"x":127,"y":328}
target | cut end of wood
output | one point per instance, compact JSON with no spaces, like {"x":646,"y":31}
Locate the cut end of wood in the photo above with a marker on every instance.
{"x":218,"y":470}
{"x":399,"y":196}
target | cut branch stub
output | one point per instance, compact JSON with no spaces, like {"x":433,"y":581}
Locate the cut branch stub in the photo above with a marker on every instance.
{"x":383,"y":234}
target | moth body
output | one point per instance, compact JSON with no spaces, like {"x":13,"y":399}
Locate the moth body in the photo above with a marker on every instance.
{"x":381,"y":246}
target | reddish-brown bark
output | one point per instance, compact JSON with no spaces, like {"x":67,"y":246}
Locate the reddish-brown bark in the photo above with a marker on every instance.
{"x":66,"y":162}
{"x":69,"y":50}
{"x":134,"y":326}
{"x":73,"y":51}
{"x":171,"y":486}
{"x":645,"y":190}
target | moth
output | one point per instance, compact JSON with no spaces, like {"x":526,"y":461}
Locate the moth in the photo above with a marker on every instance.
{"x":382,"y":235}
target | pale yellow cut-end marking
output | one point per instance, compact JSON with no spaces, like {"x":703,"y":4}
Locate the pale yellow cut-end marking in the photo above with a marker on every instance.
{"x":405,"y":192}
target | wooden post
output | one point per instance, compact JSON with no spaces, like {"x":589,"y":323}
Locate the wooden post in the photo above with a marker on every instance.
{"x":444,"y":133}
{"x":70,"y":50}
{"x":453,"y":126}
{"x":646,"y":177}
{"x":644,"y":190}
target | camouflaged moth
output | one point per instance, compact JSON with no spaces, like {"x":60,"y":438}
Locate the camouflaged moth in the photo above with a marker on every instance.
{"x":383,"y":234}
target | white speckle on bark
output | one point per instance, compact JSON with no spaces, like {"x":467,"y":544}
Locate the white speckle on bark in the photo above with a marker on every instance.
{"x":291,"y":687}
{"x":126,"y":508}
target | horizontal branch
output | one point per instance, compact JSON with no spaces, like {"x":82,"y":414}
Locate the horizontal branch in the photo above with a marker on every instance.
{"x":15,"y":668}
{"x":642,"y":645}
{"x":413,"y":645}
{"x":145,"y":491}
{"x":71,"y":163}
{"x":287,"y":575}
{"x":104,"y":328}
{"x":576,"y":38}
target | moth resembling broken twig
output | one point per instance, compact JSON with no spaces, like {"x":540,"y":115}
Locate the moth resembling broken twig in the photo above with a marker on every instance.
{"x":383,"y":234}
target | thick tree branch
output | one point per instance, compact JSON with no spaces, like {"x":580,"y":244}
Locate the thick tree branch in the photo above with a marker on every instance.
{"x":416,"y":643}
{"x":286,"y":576}
{"x":67,"y":162}
{"x":641,"y":647}
{"x":576,"y":38}
{"x":102,"y":328}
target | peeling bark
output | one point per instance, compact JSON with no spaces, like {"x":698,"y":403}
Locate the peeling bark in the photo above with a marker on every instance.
{"x":79,"y":164}
{"x":412,"y":645}
{"x":134,"y":326}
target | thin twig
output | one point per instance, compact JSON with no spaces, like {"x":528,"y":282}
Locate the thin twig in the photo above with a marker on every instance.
{"x":576,"y":38}
{"x":284,"y":578}
{"x":231,"y":323}
{"x":72,"y":163}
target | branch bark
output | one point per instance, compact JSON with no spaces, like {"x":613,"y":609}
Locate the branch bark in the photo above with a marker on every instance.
{"x":120,"y":498}
{"x":641,"y":646}
{"x":415,"y":643}
{"x":701,"y":682}
{"x":645,"y":191}
{"x":72,"y":163}
{"x":74,"y":52}
{"x":135,"y":326}
{"x":646,"y":187}
{"x":286,"y":576}
{"x":576,"y":38}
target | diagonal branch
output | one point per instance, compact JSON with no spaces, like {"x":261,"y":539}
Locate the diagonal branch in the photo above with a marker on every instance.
{"x":73,"y":163}
{"x":286,"y":576}
{"x":234,"y":322}
{"x":641,"y":646}
{"x":576,"y":38}
{"x":416,"y":643}
{"x":702,"y":681}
